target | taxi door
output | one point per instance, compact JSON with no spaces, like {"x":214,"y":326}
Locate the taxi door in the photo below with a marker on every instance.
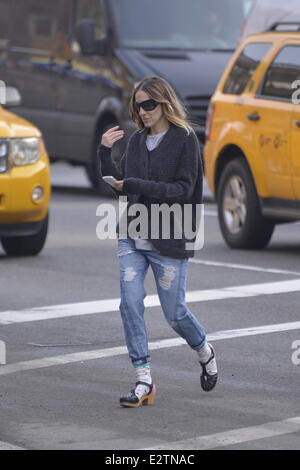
{"x":295,"y":149}
{"x":295,"y":123}
{"x":270,"y":111}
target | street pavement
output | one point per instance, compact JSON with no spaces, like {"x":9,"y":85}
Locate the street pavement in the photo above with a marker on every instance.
{"x":66,"y":363}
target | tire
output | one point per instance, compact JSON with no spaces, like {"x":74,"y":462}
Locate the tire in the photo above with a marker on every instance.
{"x":93,"y":168}
{"x":240,"y":219}
{"x":29,"y":245}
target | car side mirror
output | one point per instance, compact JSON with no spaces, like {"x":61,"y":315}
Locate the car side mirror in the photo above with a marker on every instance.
{"x":13,"y":97}
{"x":85,"y":35}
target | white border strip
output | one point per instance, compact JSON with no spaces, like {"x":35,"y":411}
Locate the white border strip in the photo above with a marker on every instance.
{"x":117,"y":351}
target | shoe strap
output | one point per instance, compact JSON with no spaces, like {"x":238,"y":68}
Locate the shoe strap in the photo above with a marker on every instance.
{"x":144,"y":383}
{"x":209,"y":360}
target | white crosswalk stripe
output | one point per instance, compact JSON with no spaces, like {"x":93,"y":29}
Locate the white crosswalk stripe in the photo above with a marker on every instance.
{"x":162,"y":344}
{"x":236,"y":436}
{"x":112,"y":305}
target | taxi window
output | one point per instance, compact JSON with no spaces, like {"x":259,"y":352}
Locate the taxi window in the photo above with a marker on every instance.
{"x":244,"y":67}
{"x":282,"y":73}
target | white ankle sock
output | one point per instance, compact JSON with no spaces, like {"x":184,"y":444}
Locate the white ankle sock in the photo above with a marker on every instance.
{"x":204,"y":354}
{"x":143,"y":374}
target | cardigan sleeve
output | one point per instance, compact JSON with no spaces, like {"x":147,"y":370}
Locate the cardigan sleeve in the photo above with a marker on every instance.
{"x":107,"y":166}
{"x":182,"y":188}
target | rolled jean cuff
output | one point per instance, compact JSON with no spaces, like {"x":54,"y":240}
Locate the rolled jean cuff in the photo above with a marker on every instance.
{"x":141,"y":362}
{"x":198,"y":348}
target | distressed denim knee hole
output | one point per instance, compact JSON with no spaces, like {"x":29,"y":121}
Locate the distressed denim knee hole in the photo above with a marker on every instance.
{"x":129,"y":274}
{"x":169,"y":275}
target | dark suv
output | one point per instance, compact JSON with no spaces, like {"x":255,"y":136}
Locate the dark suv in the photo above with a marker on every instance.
{"x":75,"y":62}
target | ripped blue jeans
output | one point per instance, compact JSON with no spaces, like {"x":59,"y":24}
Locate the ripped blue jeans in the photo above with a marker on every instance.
{"x":170,"y":277}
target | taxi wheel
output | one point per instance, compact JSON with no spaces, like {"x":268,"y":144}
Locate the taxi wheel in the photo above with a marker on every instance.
{"x":29,"y":245}
{"x":240,"y":219}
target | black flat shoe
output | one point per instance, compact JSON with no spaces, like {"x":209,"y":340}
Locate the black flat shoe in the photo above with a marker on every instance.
{"x":208,"y":381}
{"x":132,"y":401}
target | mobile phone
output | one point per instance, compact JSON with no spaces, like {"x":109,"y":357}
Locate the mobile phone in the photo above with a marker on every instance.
{"x":109,"y":179}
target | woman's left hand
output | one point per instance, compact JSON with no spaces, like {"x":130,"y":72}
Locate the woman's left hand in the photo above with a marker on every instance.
{"x":118,"y":185}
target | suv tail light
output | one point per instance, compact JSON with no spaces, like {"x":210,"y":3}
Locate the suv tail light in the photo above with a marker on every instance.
{"x":209,"y":120}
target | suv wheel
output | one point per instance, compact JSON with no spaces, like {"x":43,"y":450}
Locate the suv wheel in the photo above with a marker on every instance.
{"x":240,"y":218}
{"x":29,"y":245}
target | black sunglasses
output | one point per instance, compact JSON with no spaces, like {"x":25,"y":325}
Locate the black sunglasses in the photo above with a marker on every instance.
{"x":147,"y":105}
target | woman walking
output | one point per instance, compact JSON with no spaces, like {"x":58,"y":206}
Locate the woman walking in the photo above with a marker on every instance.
{"x":161,"y":165}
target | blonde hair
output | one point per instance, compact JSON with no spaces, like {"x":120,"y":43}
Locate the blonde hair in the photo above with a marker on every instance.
{"x":161,"y":91}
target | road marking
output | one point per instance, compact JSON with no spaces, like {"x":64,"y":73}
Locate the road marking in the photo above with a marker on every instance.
{"x":244,"y":266}
{"x":112,"y":305}
{"x":162,"y":344}
{"x":236,"y":436}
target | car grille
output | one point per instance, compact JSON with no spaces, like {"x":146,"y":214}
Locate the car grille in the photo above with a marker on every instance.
{"x":197,"y":107}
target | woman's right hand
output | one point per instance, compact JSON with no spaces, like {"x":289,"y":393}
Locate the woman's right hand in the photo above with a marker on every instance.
{"x":111,"y":136}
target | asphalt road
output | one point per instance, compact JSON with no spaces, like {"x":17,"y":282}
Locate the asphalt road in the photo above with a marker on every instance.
{"x":66,"y":361}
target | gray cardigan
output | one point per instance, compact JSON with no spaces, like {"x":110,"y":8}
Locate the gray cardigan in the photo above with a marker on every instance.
{"x":171,"y":173}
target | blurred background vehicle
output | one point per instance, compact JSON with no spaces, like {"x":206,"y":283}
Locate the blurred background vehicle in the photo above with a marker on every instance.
{"x":264,"y":13}
{"x":251,"y":153}
{"x":75,"y":63}
{"x":24,"y":183}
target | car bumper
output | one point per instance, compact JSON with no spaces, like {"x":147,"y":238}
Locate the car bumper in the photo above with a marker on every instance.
{"x":17,"y":205}
{"x":20,"y":230}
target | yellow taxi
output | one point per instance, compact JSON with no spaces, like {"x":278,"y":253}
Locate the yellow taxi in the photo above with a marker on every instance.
{"x":24,"y":183}
{"x":252,"y":149}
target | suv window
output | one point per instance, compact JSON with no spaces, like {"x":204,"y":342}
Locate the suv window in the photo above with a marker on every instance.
{"x":4,"y":25}
{"x":283,"y":71}
{"x":244,"y":67}
{"x":35,"y":23}
{"x":175,"y":24}
{"x":87,"y":10}
{"x":90,"y":10}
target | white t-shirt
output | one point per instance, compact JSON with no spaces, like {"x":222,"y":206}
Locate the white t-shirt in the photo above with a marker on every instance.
{"x":152,"y":142}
